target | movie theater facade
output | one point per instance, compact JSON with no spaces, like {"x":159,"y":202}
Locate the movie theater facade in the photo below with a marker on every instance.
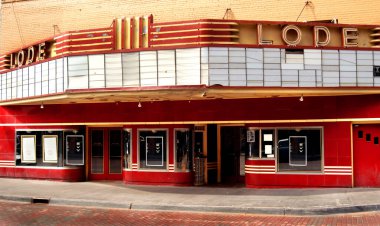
{"x":259,"y":103}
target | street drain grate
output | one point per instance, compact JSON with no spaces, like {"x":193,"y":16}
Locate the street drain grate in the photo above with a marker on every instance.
{"x":40,"y":200}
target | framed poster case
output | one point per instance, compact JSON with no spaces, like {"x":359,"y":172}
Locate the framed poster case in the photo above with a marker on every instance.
{"x":28,"y":149}
{"x":50,"y":148}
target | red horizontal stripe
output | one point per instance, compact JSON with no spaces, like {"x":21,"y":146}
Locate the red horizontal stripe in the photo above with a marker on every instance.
{"x":90,"y":35}
{"x":192,"y":21}
{"x":175,"y":28}
{"x":191,"y":33}
{"x":174,"y":41}
{"x":62,"y":38}
{"x":81,"y":36}
{"x":190,"y":40}
{"x":86,"y":30}
{"x":60,"y":51}
{"x":177,"y":34}
{"x":212,"y":32}
{"x":84,"y":42}
{"x":85,"y":48}
{"x":260,"y":162}
{"x":215,"y":39}
{"x":191,"y":26}
{"x":217,"y":26}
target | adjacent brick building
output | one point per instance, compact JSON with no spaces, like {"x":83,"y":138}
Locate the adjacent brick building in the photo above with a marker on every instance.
{"x":29,"y":21}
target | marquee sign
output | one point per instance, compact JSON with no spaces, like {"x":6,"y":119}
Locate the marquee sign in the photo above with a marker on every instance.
{"x":141,"y":33}
{"x":322,"y":36}
{"x":27,"y":56}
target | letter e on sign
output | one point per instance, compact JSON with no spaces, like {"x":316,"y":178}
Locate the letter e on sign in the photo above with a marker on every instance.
{"x":41,"y":51}
{"x":350,"y":37}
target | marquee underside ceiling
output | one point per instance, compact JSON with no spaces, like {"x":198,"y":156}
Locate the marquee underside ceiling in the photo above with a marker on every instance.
{"x":184,"y":94}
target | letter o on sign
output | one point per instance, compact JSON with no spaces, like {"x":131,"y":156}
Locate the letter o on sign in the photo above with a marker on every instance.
{"x":285,"y":34}
{"x":20,"y":58}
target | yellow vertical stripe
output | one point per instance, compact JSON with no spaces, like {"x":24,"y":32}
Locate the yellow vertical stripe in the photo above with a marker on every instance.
{"x":136,"y":33}
{"x":128,"y":33}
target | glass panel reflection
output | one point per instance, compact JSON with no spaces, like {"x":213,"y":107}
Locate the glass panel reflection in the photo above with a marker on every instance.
{"x":97,"y":151}
{"x":183,"y":146}
{"x":115,"y":151}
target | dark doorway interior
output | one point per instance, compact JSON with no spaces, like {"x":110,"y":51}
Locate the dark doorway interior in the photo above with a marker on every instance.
{"x":233,"y":145}
{"x":212,"y":154}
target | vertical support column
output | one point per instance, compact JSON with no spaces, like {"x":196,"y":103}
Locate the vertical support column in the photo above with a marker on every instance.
{"x":171,"y":148}
{"x":87,"y":155}
{"x":219,"y":157}
{"x":134,"y":149}
{"x":352,"y":155}
{"x":205,"y":154}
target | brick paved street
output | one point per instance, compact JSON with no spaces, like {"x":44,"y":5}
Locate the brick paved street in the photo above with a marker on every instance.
{"x":14,"y":213}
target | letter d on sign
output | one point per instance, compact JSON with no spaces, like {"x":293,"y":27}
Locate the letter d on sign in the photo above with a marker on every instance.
{"x":30,"y":57}
{"x":317,"y":33}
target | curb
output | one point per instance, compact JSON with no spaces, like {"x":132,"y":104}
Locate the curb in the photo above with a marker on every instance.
{"x":16,"y":198}
{"x":195,"y":208}
{"x":332,"y":210}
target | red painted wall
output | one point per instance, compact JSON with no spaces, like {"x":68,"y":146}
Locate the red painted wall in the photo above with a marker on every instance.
{"x":297,"y":180}
{"x":336,"y":135}
{"x":337,"y":152}
{"x":61,"y":174}
{"x":7,"y":143}
{"x":212,"y":110}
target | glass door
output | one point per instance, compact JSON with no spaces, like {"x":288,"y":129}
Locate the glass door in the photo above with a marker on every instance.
{"x":115,"y":152}
{"x":105,"y":154}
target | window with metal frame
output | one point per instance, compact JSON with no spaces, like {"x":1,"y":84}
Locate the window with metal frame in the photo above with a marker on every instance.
{"x":153,"y":149}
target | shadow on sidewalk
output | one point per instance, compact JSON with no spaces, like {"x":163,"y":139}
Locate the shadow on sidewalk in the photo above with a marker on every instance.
{"x":238,"y":189}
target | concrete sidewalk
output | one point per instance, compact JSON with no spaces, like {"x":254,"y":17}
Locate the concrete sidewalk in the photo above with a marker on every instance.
{"x":115,"y":194}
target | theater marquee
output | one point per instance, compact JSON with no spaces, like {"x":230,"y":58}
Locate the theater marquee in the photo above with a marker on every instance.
{"x":137,"y":33}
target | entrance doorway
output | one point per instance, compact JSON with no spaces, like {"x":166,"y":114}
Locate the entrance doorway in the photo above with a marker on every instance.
{"x":366,"y":155}
{"x":105,"y":154}
{"x":232,"y":151}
